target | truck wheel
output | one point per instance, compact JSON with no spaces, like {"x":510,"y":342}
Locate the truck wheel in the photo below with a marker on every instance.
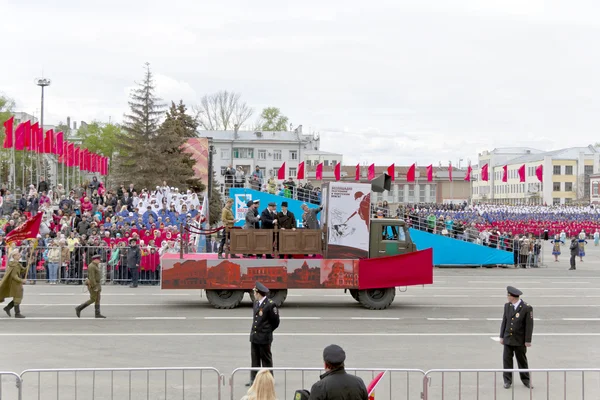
{"x":278,"y":296}
{"x":225,"y":298}
{"x":376,"y":299}
{"x":354,"y":294}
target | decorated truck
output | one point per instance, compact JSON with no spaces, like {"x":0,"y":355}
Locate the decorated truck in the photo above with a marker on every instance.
{"x":366,"y":256}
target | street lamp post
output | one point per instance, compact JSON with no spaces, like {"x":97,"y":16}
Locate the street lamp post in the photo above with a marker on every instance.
{"x":42,"y":82}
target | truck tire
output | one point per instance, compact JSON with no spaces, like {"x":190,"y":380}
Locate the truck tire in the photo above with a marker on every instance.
{"x":278,"y":296}
{"x":354,"y":294}
{"x":376,"y":299}
{"x":225,"y":299}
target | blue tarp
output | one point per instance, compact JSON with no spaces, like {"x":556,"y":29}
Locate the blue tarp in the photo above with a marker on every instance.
{"x":448,"y":251}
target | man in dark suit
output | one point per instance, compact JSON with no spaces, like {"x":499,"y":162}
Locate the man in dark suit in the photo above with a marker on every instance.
{"x":515,"y":334}
{"x":268,"y":218}
{"x":266,"y":320}
{"x":285,"y":220}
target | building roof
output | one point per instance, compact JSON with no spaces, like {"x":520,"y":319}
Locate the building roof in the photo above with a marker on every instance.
{"x":570,"y":153}
{"x":320,"y":153}
{"x":279,"y":136}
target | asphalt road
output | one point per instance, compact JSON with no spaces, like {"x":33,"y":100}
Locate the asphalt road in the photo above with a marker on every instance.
{"x":453,"y":323}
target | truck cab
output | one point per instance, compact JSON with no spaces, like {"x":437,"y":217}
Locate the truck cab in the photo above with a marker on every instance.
{"x":389,"y":237}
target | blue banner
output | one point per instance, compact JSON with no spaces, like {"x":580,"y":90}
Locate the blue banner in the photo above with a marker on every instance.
{"x":241,"y":196}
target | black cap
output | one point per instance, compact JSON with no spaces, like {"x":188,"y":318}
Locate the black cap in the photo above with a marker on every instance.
{"x":284,"y":204}
{"x":334,"y":354}
{"x":513,"y":291}
{"x":272,"y":204}
{"x":249,"y":203}
{"x":260,"y":288}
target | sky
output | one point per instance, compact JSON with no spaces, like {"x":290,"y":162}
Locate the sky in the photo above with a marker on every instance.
{"x":424,"y":81}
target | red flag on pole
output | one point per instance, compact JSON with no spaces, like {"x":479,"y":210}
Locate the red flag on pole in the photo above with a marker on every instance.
{"x":300,"y":174}
{"x":337,"y":171}
{"x":468,"y":175}
{"x":76,"y":158}
{"x":70,"y":155}
{"x":88,"y":160}
{"x":430,"y":173}
{"x":20,"y":135}
{"x":521,"y":172}
{"x":391,"y":171}
{"x":539,"y":172}
{"x":319,"y":172}
{"x":8,"y":131}
{"x":484,"y":173}
{"x":357,"y":173}
{"x":60,"y":148}
{"x":371,"y":173}
{"x":410,"y":175}
{"x":281,"y":172}
{"x":48,"y":142}
{"x":29,"y":230}
{"x":39,"y":140}
{"x":450,"y":171}
{"x":31,"y":139}
{"x":505,"y":173}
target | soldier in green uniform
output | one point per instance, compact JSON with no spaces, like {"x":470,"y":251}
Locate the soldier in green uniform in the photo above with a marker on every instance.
{"x":266,"y":320}
{"x":94,"y":287}
{"x":515,"y":334}
{"x":12,"y":284}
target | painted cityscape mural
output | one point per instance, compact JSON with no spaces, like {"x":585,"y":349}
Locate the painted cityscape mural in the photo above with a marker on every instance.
{"x":243,"y":273}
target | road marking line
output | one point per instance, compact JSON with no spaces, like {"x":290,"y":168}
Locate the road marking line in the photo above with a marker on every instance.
{"x":448,"y":319}
{"x":494,"y":319}
{"x":495,"y":339}
{"x":160,"y":318}
{"x":453,"y":295}
{"x":569,"y":282}
{"x":54,"y":294}
{"x":581,"y":319}
{"x":514,"y":282}
{"x":377,"y":318}
{"x":553,"y":296}
{"x":170,"y":294}
{"x":291,"y":334}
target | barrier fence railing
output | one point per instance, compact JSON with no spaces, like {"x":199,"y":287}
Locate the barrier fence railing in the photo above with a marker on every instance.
{"x":121,"y":383}
{"x":395,"y":384}
{"x":10,"y":385}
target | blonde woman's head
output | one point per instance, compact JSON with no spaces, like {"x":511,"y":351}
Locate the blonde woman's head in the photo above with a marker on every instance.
{"x":263,"y":387}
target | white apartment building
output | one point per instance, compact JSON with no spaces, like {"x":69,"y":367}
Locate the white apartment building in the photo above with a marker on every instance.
{"x":267,"y":150}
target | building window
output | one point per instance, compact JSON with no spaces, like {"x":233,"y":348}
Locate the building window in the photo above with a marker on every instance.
{"x":568,"y":201}
{"x":243,"y":153}
{"x":262,"y":154}
{"x":569,"y":170}
{"x":411,"y":193}
{"x":588,"y":169}
{"x":293,"y":155}
{"x":292,"y":172}
{"x":432,"y":193}
{"x":225,"y":153}
{"x":556,"y":170}
{"x":555,"y":201}
{"x":277,"y":155}
{"x":595,"y":189}
{"x":568,"y":186}
{"x":401,"y":194}
{"x":556,"y":186}
{"x":326,"y":163}
{"x":422,"y":193}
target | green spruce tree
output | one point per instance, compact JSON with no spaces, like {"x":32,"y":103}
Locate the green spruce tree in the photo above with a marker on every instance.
{"x":137,"y":165}
{"x":175,"y":165}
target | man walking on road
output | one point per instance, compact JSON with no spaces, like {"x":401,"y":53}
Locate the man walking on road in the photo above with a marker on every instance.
{"x":134,"y":257}
{"x":515,"y":334}
{"x":574,"y":247}
{"x":94,"y":287}
{"x":266,"y":320}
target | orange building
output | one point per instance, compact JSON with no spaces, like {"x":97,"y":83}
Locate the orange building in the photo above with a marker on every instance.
{"x":191,"y":274}
{"x":224,"y":273}
{"x":266,"y":274}
{"x":340,"y":277}
{"x":305,"y":277}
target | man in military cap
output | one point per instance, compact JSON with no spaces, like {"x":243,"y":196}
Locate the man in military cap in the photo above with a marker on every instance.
{"x":268,"y":218}
{"x":266,"y":320}
{"x":515,"y":334}
{"x":94,"y":287}
{"x":336,"y":383}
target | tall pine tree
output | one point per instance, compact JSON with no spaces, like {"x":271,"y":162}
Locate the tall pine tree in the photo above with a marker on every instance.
{"x":141,"y":127}
{"x":175,"y":165}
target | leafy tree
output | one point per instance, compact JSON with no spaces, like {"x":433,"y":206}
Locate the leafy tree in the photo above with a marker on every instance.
{"x":222,"y":111}
{"x":271,"y":119}
{"x":141,"y":126}
{"x":175,"y":165}
{"x":215,"y":202}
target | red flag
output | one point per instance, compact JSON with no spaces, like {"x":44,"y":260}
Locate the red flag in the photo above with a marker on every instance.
{"x":31,"y":139}
{"x":70,"y":155}
{"x":29,"y":230}
{"x":484,"y":173}
{"x":21,"y":135}
{"x":319,"y":172}
{"x":410,"y":175}
{"x":105,"y":166}
{"x":8,"y":131}
{"x":48,"y":141}
{"x":357,"y":173}
{"x":450,"y":171}
{"x":373,"y":385}
{"x":300,"y":174}
{"x":430,"y":173}
{"x":392,"y":171}
{"x":468,"y":176}
{"x":39,"y":140}
{"x":76,"y":157}
{"x":281,"y":172}
{"x":87,"y":161}
{"x":539,"y":172}
{"x":60,"y":148}
{"x":337,"y":171}
{"x":371,"y":173}
{"x":521,"y":172}
{"x":505,"y":173}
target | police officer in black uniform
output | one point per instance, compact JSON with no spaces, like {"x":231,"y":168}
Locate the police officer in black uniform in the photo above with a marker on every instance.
{"x":515,"y":334}
{"x":266,"y":320}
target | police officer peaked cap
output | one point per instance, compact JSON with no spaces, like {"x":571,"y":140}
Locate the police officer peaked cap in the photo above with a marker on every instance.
{"x":260,"y":288}
{"x":513,"y":291}
{"x":334,"y":354}
{"x":96,"y":257}
{"x":249,"y":203}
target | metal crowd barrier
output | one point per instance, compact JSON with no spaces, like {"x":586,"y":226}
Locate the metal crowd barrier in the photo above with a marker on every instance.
{"x":122,"y":383}
{"x":10,"y":386}
{"x":395,"y":384}
{"x":549,"y":384}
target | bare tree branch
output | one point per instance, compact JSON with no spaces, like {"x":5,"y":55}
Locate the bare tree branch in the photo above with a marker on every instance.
{"x":221,"y":111}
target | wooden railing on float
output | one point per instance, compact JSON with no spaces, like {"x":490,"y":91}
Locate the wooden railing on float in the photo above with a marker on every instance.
{"x":275,"y":241}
